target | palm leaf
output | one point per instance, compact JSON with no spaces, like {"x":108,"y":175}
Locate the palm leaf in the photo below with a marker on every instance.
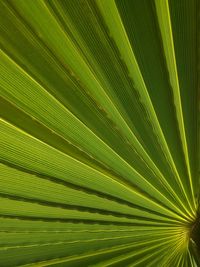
{"x":99,"y":133}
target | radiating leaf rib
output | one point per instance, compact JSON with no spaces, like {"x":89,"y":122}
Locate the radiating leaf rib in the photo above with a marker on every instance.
{"x":79,"y":259}
{"x":122,"y":41}
{"x":56,"y":4}
{"x":99,"y":133}
{"x":46,"y":252}
{"x":20,"y":225}
{"x":155,"y":75}
{"x":34,"y":210}
{"x":184,"y":22}
{"x":52,"y":103}
{"x":163,"y":14}
{"x":68,"y":20}
{"x":86,"y":258}
{"x":152,"y":256}
{"x":181,"y":203}
{"x":43,"y":247}
{"x":66,"y":94}
{"x":131,"y":259}
{"x":37,"y":103}
{"x":21,"y":185}
{"x":29,"y":239}
{"x":86,"y":75}
{"x":136,"y":163}
{"x":59,"y":169}
{"x":153,"y":180}
{"x":45,"y":134}
{"x":124,"y":259}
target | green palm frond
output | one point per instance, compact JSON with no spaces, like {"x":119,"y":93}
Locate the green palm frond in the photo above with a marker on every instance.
{"x":99,"y":133}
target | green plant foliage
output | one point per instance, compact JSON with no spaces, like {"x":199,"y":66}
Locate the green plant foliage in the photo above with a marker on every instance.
{"x":99,"y":133}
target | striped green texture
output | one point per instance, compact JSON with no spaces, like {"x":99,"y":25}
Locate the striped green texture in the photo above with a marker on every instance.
{"x":99,"y":133}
